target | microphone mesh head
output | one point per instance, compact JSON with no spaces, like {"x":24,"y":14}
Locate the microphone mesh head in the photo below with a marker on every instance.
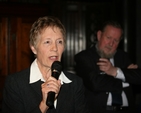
{"x":57,"y":66}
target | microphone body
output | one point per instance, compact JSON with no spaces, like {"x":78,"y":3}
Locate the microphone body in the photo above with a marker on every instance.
{"x":56,"y":71}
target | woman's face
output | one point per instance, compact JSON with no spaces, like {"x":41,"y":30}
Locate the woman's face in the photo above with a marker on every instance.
{"x":50,"y":47}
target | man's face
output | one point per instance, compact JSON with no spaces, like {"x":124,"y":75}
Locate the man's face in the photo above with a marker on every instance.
{"x":108,"y":40}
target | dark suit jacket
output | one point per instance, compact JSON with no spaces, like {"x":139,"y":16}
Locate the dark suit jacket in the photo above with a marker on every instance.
{"x":98,"y":86}
{"x":22,"y":97}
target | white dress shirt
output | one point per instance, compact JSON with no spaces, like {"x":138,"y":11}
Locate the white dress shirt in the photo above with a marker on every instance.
{"x":120,"y":75}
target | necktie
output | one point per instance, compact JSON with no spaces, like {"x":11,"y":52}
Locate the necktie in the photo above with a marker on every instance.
{"x":116,"y":96}
{"x":116,"y":99}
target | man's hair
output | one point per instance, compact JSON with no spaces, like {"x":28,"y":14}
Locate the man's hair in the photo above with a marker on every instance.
{"x":113,"y":23}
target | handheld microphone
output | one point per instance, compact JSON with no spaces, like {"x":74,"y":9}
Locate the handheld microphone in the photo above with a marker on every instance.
{"x":56,"y":69}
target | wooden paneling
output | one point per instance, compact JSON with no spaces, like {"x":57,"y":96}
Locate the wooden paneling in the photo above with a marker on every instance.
{"x":24,"y":54}
{"x":3,"y":46}
{"x":3,"y":54}
{"x":15,"y":53}
{"x":20,"y":54}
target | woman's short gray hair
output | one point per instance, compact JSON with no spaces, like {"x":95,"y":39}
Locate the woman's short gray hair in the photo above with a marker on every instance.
{"x":41,"y":24}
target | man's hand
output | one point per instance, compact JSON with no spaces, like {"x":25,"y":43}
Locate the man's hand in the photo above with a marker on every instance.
{"x":106,"y":66}
{"x":132,"y":66}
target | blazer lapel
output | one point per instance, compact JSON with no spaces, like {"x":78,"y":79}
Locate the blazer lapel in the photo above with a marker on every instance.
{"x":64,"y":93}
{"x":37,"y":87}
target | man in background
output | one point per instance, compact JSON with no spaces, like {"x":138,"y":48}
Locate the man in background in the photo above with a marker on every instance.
{"x":108,"y":72}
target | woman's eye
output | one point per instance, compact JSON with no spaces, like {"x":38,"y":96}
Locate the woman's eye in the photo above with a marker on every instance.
{"x":60,"y":42}
{"x":47,"y":42}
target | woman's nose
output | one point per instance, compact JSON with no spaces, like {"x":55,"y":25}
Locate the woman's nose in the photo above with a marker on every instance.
{"x":54,"y":47}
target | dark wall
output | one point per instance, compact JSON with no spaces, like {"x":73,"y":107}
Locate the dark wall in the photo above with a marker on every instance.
{"x":138,"y":32}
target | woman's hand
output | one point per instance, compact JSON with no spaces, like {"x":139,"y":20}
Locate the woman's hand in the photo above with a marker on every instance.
{"x":52,"y":84}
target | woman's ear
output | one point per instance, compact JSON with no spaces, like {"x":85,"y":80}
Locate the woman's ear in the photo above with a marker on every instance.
{"x":99,"y":35}
{"x":33,"y":49}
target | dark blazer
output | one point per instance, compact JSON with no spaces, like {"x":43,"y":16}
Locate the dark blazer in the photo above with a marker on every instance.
{"x":98,"y":86}
{"x":22,"y":97}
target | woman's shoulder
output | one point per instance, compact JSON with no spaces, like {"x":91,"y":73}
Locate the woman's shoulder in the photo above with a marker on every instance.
{"x":20,"y":75}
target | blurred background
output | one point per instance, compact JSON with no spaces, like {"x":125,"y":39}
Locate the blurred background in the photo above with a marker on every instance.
{"x":81,"y":19}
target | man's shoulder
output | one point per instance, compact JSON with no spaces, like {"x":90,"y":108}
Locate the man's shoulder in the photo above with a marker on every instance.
{"x":86,"y":51}
{"x":121,"y":52}
{"x":71,"y":76}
